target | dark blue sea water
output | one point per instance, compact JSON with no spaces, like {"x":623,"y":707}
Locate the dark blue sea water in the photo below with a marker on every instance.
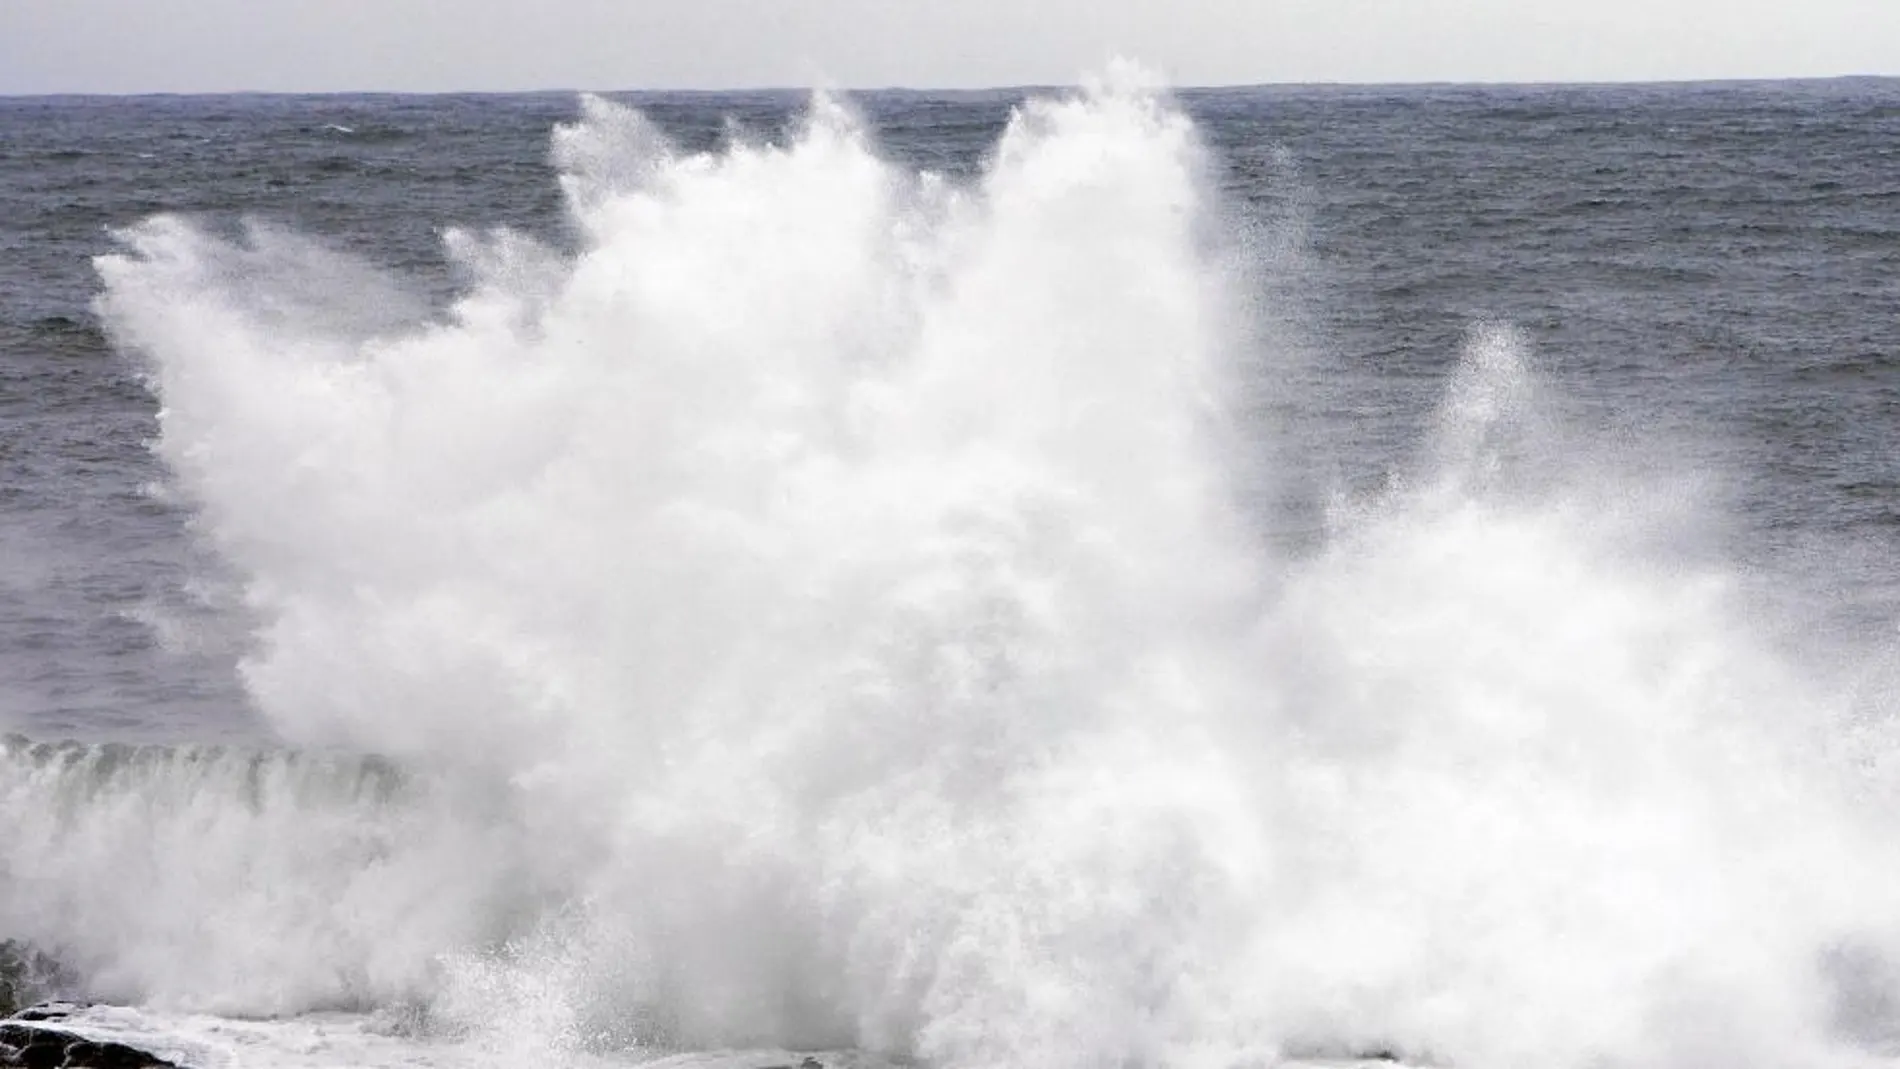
{"x":1191,"y":579}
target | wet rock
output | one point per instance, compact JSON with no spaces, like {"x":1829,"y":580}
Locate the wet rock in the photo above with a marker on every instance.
{"x":33,"y":1046}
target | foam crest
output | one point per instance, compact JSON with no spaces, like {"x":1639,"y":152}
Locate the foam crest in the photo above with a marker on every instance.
{"x":246,"y":882}
{"x":834,"y":576}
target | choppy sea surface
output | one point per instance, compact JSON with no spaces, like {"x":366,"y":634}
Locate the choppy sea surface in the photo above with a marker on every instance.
{"x":1021,"y":578}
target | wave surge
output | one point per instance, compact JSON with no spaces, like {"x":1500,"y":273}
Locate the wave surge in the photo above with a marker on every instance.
{"x":815,"y":611}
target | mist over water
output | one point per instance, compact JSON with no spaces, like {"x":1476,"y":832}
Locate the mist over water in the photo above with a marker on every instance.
{"x":818,"y":609}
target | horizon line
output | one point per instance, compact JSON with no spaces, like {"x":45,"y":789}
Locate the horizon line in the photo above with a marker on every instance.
{"x":1023,"y":87}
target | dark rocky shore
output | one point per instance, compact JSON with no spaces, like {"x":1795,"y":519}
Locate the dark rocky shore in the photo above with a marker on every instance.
{"x":29,"y":1035}
{"x":29,"y":1041}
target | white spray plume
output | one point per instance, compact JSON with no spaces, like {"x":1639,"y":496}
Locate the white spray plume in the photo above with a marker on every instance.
{"x":819,"y":614}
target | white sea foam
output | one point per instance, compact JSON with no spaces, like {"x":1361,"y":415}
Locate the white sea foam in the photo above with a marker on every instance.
{"x":816,"y":612}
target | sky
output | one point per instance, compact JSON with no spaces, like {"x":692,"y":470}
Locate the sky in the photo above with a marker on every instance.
{"x":129,"y":46}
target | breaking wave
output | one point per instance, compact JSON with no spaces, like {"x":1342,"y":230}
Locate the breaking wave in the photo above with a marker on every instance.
{"x":816,"y":611}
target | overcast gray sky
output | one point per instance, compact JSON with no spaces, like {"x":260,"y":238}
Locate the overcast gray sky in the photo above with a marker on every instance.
{"x":220,"y":45}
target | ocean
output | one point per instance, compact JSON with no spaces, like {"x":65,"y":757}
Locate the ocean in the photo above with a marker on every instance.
{"x":1027,"y":578}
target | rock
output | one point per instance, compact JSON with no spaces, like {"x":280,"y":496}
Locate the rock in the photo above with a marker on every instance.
{"x":28,"y":976}
{"x":31,"y":1046}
